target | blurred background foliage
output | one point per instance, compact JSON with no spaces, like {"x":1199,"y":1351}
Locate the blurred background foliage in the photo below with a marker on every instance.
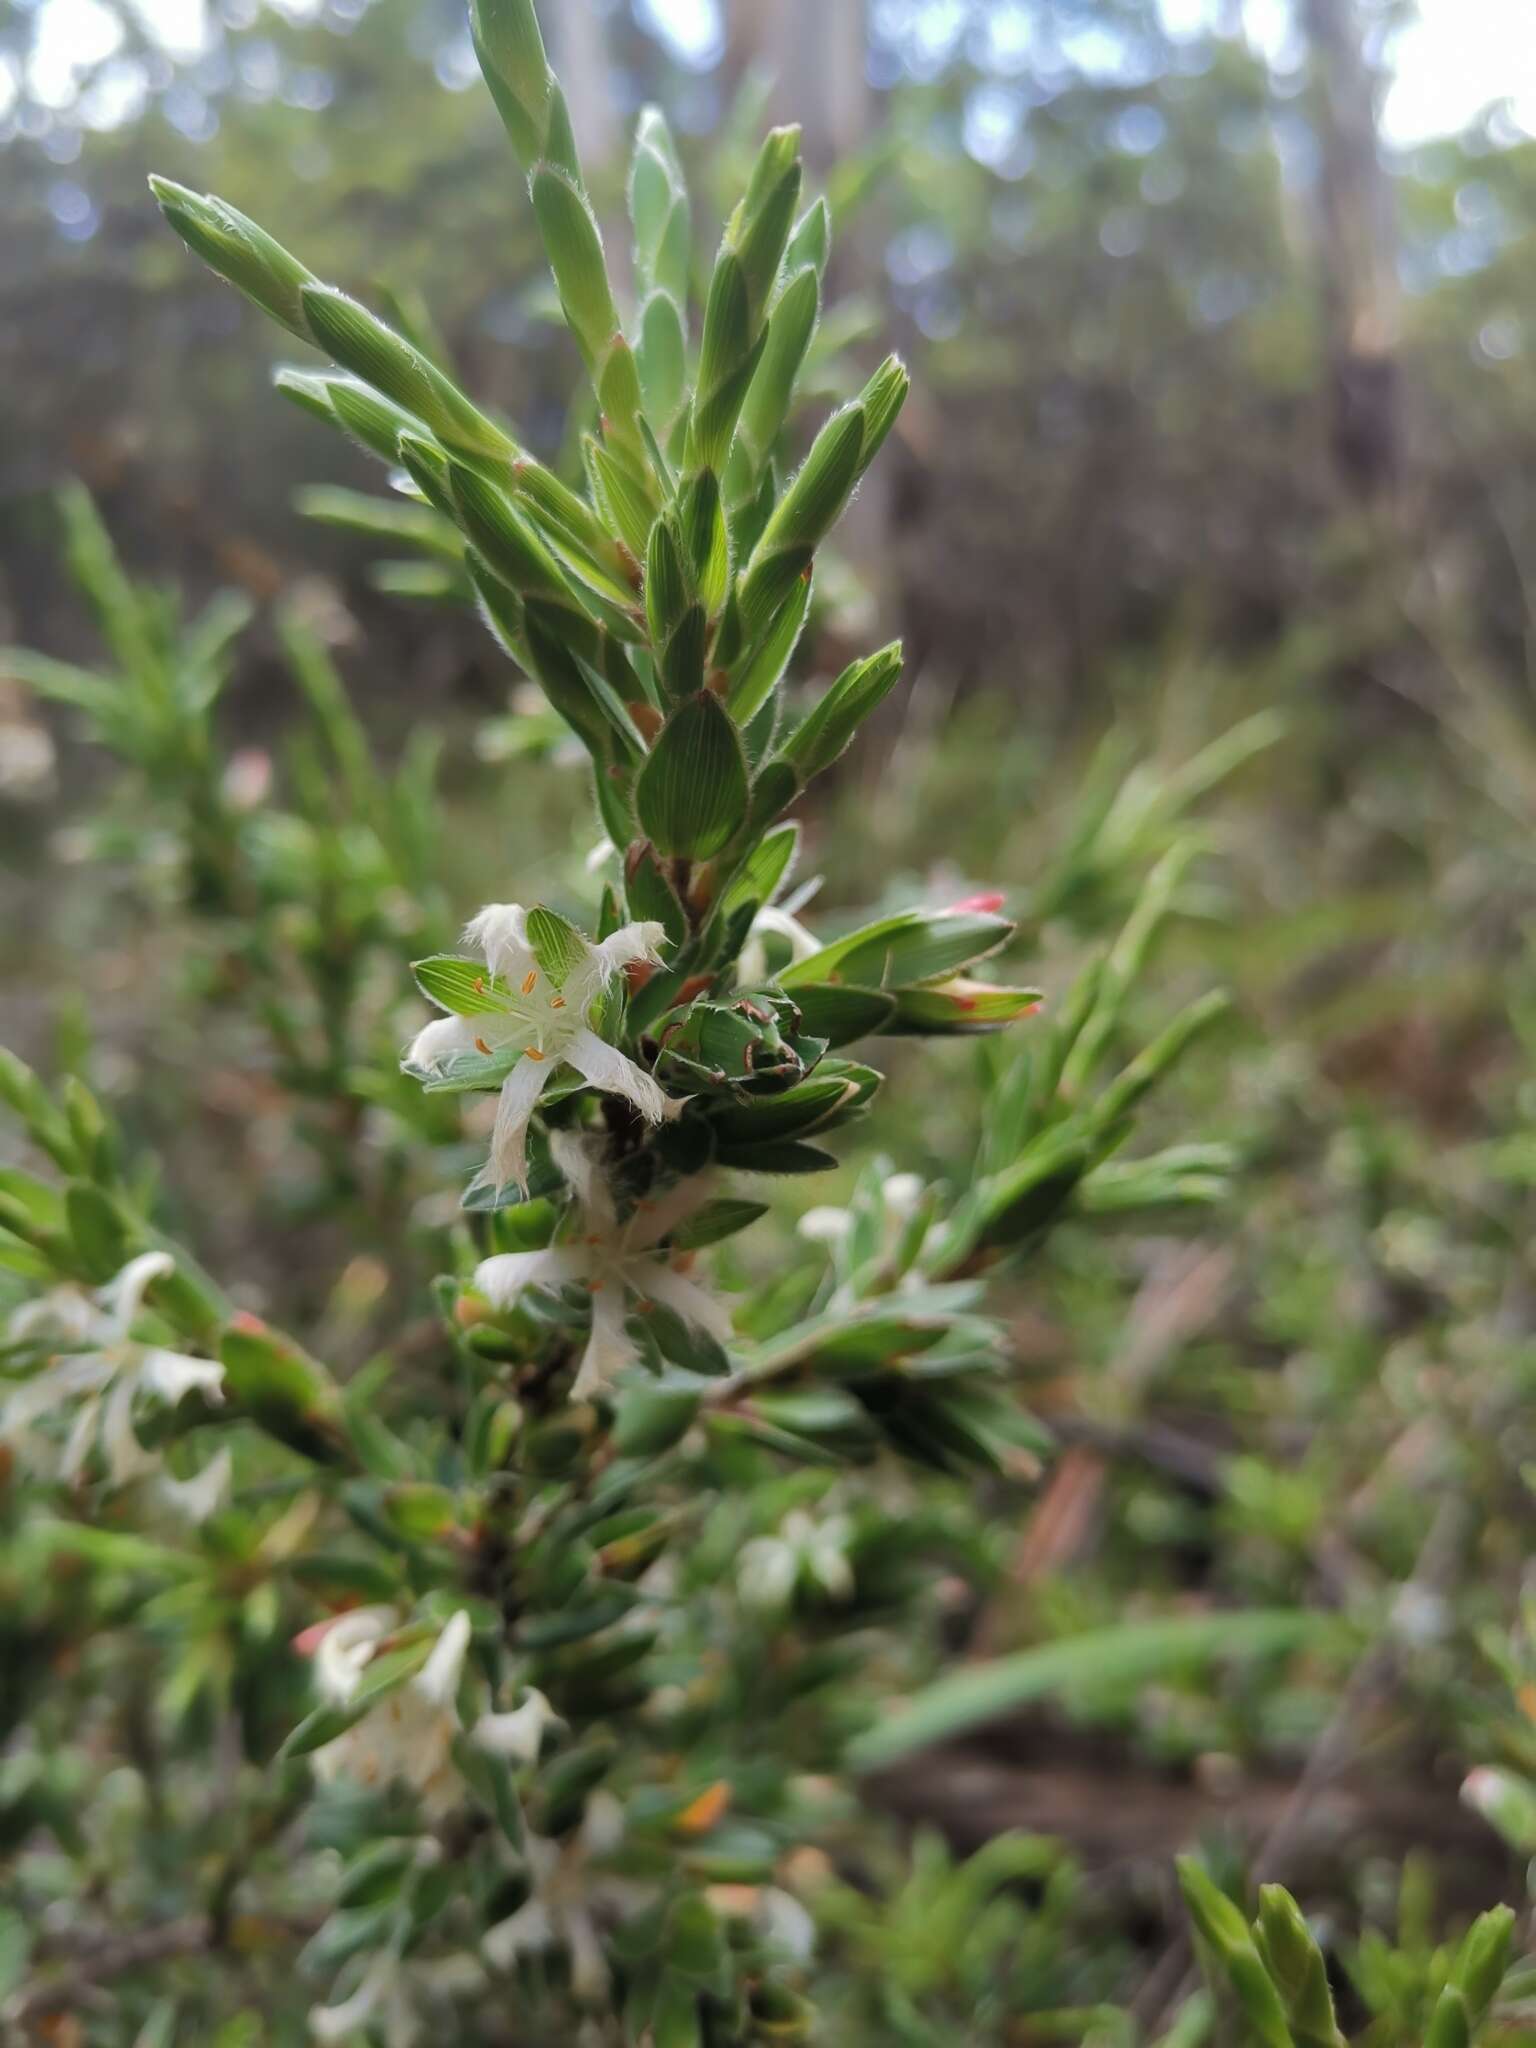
{"x":1225,"y":408}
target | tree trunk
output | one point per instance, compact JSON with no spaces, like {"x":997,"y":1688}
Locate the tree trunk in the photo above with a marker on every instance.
{"x":814,"y":51}
{"x":1357,"y":251}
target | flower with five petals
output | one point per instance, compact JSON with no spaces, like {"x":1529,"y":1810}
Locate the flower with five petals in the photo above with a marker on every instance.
{"x":536,"y":1000}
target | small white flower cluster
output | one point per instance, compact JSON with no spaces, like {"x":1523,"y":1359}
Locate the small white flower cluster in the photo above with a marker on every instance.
{"x":804,"y":1549}
{"x":407,"y":1735}
{"x":619,"y":1264}
{"x":550,"y":1024}
{"x":99,"y":1371}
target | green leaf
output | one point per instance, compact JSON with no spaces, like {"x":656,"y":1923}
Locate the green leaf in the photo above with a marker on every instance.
{"x":770,"y":657}
{"x":287,"y":1394}
{"x":759,"y":1118}
{"x":714,"y":1222}
{"x":790,"y":327}
{"x":359,"y":341}
{"x":691,"y":793}
{"x":864,"y":685}
{"x":661,"y":355}
{"x":511,"y":53}
{"x":781,"y":1156}
{"x":575,"y":250}
{"x":1132,"y":1654}
{"x":466,"y":988}
{"x":1231,"y":1950}
{"x":238,"y":250}
{"x":765,"y":869}
{"x":705,"y":538}
{"x":100,"y":1230}
{"x":650,"y":896}
{"x":840,"y":1013}
{"x":556,"y":944}
{"x":913,"y":946}
{"x":651,"y":1419}
{"x":820,"y":490}
{"x":319,"y":1727}
{"x":621,"y":495}
{"x":959,"y":1009}
{"x":1296,"y":1966}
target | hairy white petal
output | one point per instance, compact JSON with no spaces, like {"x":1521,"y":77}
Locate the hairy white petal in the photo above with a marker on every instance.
{"x":64,"y":1315}
{"x":343,"y":1651}
{"x":607,"y":1068}
{"x":509,"y":1137}
{"x":126,"y":1456}
{"x":765,"y":1571}
{"x":124,"y":1296}
{"x":437,"y":1043}
{"x":198,"y":1497}
{"x":506,"y":1276}
{"x":825,"y":1225}
{"x":66,"y":1379}
{"x":500,"y":932}
{"x":631,"y":942}
{"x":529,"y":1931}
{"x":77,"y":1445}
{"x":170,"y":1374}
{"x":609,"y":1349}
{"x":603,"y":961}
{"x":602,"y":1825}
{"x":577,"y":1159}
{"x":380,"y":1984}
{"x":438,"y":1679}
{"x":686,"y":1298}
{"x":786,"y":1923}
{"x":589,"y":1966}
{"x":661,"y":1214}
{"x":520,"y":1734}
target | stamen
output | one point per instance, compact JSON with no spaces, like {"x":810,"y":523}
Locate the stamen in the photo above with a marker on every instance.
{"x":532,"y":1053}
{"x":479,"y":984}
{"x":530,"y":981}
{"x":558,"y":1003}
{"x":481,"y":1046}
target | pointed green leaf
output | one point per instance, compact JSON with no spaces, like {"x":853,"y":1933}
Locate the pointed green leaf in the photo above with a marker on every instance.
{"x":691,"y":793}
{"x":556,"y":944}
{"x":466,"y":988}
{"x":861,"y":688}
{"x":575,"y":250}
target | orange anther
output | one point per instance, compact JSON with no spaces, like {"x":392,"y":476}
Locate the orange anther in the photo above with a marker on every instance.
{"x":535,"y":1055}
{"x":703,"y":1813}
{"x":481,"y":1046}
{"x":530,"y":981}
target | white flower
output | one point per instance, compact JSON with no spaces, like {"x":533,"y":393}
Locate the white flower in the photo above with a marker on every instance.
{"x":101,"y":1370}
{"x":549,"y":1023}
{"x":825,"y":1224}
{"x":407,"y":1735}
{"x":770,"y":1567}
{"x":776,"y":922}
{"x":386,"y":1994}
{"x":518,"y":1735}
{"x":562,"y":1907}
{"x":618,"y":1263}
{"x":380,"y":2000}
{"x":204,"y":1493}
